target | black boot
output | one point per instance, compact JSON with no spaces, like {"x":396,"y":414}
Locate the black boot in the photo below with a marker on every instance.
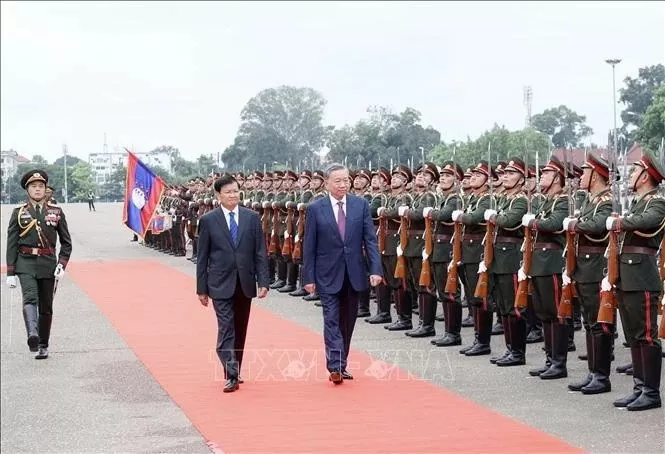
{"x":547,"y":337}
{"x":506,"y":337}
{"x":30,"y":317}
{"x":428,"y":311}
{"x":291,"y":278}
{"x":453,"y":314}
{"x":383,"y":306}
{"x":44,"y":335}
{"x":578,"y":385}
{"x":638,"y":378}
{"x":652,"y":363}
{"x":473,"y":316}
{"x":517,"y":328}
{"x":560,"y":339}
{"x":498,"y":327}
{"x":571,"y":335}
{"x":363,"y":304}
{"x":602,"y":362}
{"x":403,"y":306}
{"x":419,"y":311}
{"x":300,"y":291}
{"x":468,"y":321}
{"x":484,"y":328}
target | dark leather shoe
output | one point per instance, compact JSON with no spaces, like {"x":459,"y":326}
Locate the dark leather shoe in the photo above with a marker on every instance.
{"x":346,"y":375}
{"x":240,"y":381}
{"x":379,"y":319}
{"x":363,"y":314}
{"x":299,"y":292}
{"x":42,"y":353}
{"x":231,"y":385}
{"x":336,"y":377}
{"x":33,"y":342}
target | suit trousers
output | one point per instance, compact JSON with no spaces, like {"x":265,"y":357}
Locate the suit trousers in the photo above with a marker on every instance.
{"x":232,"y":319}
{"x":37,"y":305}
{"x":339,"y":320}
{"x":639,"y":317}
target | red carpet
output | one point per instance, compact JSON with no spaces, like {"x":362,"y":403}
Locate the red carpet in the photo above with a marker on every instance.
{"x":286,"y":403}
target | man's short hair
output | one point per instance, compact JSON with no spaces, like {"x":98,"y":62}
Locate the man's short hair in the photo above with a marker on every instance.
{"x":334,"y":167}
{"x":222,"y":181}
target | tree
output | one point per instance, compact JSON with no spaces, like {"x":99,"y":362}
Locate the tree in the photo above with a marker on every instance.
{"x":652,"y":130}
{"x":565,"y":127}
{"x":637,"y":96}
{"x":80,"y":181}
{"x":283,"y":124}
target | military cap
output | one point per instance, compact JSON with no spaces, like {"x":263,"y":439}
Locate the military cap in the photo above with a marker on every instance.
{"x":34,"y":175}
{"x":517,"y":165}
{"x":277,"y":174}
{"x":258,"y":175}
{"x":555,"y":165}
{"x":467,"y":172}
{"x":430,"y":168}
{"x":649,"y":162}
{"x":352,"y":174}
{"x":484,"y":168}
{"x":318,"y":174}
{"x":383,"y":173}
{"x":364,"y":173}
{"x":453,"y":168}
{"x":404,"y":171}
{"x":290,"y":174}
{"x":50,"y":188}
{"x":306,"y":174}
{"x":240,"y":175}
{"x":500,"y":167}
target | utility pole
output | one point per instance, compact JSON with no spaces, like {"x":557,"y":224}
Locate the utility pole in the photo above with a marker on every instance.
{"x":64,"y":160}
{"x":614,"y":62}
{"x":528,"y":98}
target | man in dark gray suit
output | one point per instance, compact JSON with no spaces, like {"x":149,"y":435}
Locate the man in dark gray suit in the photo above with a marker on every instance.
{"x":232,"y":260}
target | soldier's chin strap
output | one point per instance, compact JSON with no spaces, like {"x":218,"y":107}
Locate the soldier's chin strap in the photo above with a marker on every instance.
{"x":642,"y":170}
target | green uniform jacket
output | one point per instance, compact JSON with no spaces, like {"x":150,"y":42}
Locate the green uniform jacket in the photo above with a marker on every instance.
{"x":644,"y":226}
{"x":417,"y":223}
{"x":27,"y":229}
{"x":549,"y":230}
{"x":444,"y":228}
{"x":474,"y":228}
{"x":509,"y":234}
{"x":591,"y":264}
{"x":392,"y":239}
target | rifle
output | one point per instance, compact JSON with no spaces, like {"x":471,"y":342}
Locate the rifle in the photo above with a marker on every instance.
{"x":608,"y":301}
{"x":452,"y":280}
{"x":565,"y":309}
{"x":426,"y":270}
{"x":287,"y":250}
{"x":300,"y":231}
{"x":482,"y":287}
{"x":400,"y":269}
{"x":522,"y":294}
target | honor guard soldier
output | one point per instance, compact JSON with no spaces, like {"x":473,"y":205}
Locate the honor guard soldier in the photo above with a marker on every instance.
{"x":318,"y":187}
{"x":534,"y":324}
{"x":639,"y":285}
{"x":304,"y":197}
{"x":591,"y":244}
{"x":34,"y":228}
{"x":286,"y":203}
{"x":547,"y":265}
{"x":361,"y":185}
{"x":49,"y":196}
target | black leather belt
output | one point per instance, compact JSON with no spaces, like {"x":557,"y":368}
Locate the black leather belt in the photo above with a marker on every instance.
{"x":35,"y":251}
{"x":508,"y":239}
{"x":546,"y":246}
{"x":639,"y":250}
{"x":591,"y":249}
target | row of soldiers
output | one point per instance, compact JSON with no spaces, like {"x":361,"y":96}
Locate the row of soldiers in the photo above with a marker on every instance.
{"x":507,"y":241}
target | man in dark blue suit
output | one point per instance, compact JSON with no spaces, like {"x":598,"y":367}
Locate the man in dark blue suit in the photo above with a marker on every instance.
{"x":231,"y":262}
{"x":339,"y":232}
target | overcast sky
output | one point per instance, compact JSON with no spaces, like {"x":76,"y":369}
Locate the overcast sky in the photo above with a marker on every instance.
{"x":149,"y":74}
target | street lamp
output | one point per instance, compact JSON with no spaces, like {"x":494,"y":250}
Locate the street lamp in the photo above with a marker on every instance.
{"x":614,"y":62}
{"x":64,"y":161}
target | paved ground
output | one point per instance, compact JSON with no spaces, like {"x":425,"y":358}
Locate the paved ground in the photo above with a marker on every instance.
{"x":98,"y":397}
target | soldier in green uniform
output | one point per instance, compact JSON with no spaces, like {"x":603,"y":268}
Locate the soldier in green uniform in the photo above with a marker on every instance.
{"x":424,"y":196}
{"x":592,"y":240}
{"x":401,"y":175}
{"x":380,"y":196}
{"x":33,"y":231}
{"x":472,"y":217}
{"x":547,"y":266}
{"x":507,"y":218}
{"x":319,"y":191}
{"x":534,"y":326}
{"x":361,"y":187}
{"x":286,"y":201}
{"x":450,"y":199}
{"x":49,"y":196}
{"x":467,"y":193}
{"x":305,"y":196}
{"x":640,"y":285}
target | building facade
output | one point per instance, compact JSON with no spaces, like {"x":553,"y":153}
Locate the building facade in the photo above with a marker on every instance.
{"x":104,"y":164}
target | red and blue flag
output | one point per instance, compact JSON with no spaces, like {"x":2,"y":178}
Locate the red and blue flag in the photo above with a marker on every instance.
{"x":143,"y":192}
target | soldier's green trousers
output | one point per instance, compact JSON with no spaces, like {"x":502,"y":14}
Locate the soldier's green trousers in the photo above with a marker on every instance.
{"x":639,"y":317}
{"x":589,"y":297}
{"x":38,"y":298}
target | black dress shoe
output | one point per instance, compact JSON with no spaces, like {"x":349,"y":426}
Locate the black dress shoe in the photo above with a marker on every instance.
{"x":33,"y":342}
{"x":42,"y":353}
{"x":240,"y":381}
{"x":347,"y":375}
{"x":336,"y":377}
{"x":231,"y":385}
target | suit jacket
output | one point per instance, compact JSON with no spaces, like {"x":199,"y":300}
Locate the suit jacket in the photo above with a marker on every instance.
{"x":219,"y":264}
{"x":326,"y":256}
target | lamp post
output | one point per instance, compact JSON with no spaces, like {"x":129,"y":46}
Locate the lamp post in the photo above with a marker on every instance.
{"x":64,"y":161}
{"x":614,"y":62}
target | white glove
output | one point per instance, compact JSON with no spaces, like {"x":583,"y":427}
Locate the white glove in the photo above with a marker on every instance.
{"x":400,"y":251}
{"x":425,"y":255}
{"x":297,"y":238}
{"x":265,"y":204}
{"x":427,"y":211}
{"x":457,"y":214}
{"x":301,"y":206}
{"x":566,"y":221}
{"x":59,"y":271}
{"x":274,"y":205}
{"x":609,"y":223}
{"x":12,"y":281}
{"x":605,"y":285}
{"x":521,"y":275}
{"x":286,"y":234}
{"x":380,"y":211}
{"x":565,"y":279}
{"x":489,"y":214}
{"x":527,"y":218}
{"x":450,"y":267}
{"x":401,"y":211}
{"x":482,"y":268}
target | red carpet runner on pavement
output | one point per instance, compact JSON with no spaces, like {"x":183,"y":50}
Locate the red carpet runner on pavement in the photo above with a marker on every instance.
{"x":286,"y":403}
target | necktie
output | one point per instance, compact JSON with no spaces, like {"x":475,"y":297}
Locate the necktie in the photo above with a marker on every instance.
{"x":341,"y":219}
{"x":233,"y":228}
{"x":38,"y":211}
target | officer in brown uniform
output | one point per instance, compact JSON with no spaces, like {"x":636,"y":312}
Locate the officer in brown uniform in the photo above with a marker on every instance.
{"x":34,"y":228}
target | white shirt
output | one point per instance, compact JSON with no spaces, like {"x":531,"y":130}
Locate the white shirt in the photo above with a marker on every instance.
{"x":335,"y":205}
{"x":228,"y":218}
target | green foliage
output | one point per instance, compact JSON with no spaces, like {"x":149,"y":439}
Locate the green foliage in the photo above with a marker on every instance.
{"x":565,"y":127}
{"x":652,"y":129}
{"x":637,"y":96}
